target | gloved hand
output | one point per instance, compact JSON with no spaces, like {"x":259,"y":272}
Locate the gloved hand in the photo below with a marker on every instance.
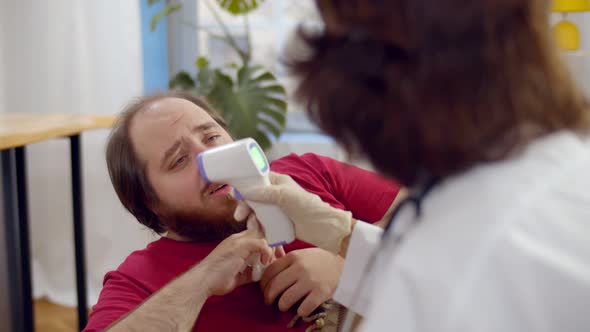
{"x":315,"y":221}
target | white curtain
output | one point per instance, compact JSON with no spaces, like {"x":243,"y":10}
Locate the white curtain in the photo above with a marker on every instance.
{"x":72,"y":56}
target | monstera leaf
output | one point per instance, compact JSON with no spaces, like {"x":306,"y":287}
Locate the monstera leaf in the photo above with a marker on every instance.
{"x":182,"y":81}
{"x":239,"y":7}
{"x":253,"y":104}
{"x":251,"y":100}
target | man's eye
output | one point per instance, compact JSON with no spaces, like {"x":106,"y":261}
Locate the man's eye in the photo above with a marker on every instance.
{"x":179,"y":161}
{"x":213,"y":138}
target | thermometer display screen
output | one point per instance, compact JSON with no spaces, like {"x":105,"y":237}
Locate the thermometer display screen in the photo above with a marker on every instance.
{"x":258,"y":157}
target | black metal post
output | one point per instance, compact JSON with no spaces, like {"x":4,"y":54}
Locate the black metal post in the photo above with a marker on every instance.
{"x":23,"y":216}
{"x":78,"y":211}
{"x":13,"y":249}
{"x":14,"y":182}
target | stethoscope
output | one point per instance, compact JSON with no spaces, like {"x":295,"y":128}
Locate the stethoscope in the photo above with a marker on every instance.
{"x":416,"y":196}
{"x":394,"y":234}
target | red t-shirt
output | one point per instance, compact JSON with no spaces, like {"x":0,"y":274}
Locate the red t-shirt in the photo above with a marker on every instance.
{"x":365,"y":194}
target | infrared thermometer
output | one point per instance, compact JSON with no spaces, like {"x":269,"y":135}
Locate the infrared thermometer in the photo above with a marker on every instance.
{"x":243,"y":165}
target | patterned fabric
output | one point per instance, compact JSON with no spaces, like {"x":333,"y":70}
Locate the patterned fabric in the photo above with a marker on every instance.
{"x":327,"y":318}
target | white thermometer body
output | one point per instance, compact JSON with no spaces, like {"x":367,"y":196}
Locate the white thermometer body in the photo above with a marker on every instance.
{"x":243,"y":165}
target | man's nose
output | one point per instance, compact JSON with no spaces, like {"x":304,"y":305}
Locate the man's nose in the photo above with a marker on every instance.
{"x":198,"y":148}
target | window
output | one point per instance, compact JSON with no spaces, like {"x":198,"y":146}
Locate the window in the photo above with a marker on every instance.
{"x":271,"y":25}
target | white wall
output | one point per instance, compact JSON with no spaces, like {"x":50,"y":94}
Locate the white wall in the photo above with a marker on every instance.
{"x":579,"y":61}
{"x":81,"y":57}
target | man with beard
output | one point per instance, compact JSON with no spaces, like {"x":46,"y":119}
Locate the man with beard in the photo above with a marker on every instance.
{"x":151,"y":160}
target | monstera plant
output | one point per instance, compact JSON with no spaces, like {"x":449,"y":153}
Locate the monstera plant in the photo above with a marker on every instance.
{"x":250,"y":98}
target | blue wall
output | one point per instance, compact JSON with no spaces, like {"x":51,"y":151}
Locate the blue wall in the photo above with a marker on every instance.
{"x":154,"y":48}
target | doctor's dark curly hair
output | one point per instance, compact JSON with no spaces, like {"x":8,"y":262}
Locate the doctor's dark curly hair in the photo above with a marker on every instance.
{"x":435,"y":86}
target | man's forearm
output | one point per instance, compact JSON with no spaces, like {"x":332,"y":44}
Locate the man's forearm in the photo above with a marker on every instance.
{"x":175,"y":307}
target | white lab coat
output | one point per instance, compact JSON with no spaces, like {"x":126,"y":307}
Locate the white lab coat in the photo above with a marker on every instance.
{"x":504,"y":247}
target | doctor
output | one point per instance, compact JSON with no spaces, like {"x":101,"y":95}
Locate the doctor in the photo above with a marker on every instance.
{"x":468,"y":104}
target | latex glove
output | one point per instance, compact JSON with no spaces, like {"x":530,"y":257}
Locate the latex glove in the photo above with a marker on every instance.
{"x":254,"y":261}
{"x":315,"y":221}
{"x":258,"y":268}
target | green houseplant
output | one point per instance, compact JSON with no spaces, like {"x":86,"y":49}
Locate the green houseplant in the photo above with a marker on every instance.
{"x":249,"y":97}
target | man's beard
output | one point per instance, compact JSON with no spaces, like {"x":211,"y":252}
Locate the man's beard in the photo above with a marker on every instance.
{"x":206,"y":225}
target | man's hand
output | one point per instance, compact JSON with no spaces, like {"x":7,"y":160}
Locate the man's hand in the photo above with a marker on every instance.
{"x":226,"y":267}
{"x":311,"y":274}
{"x":175,"y":306}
